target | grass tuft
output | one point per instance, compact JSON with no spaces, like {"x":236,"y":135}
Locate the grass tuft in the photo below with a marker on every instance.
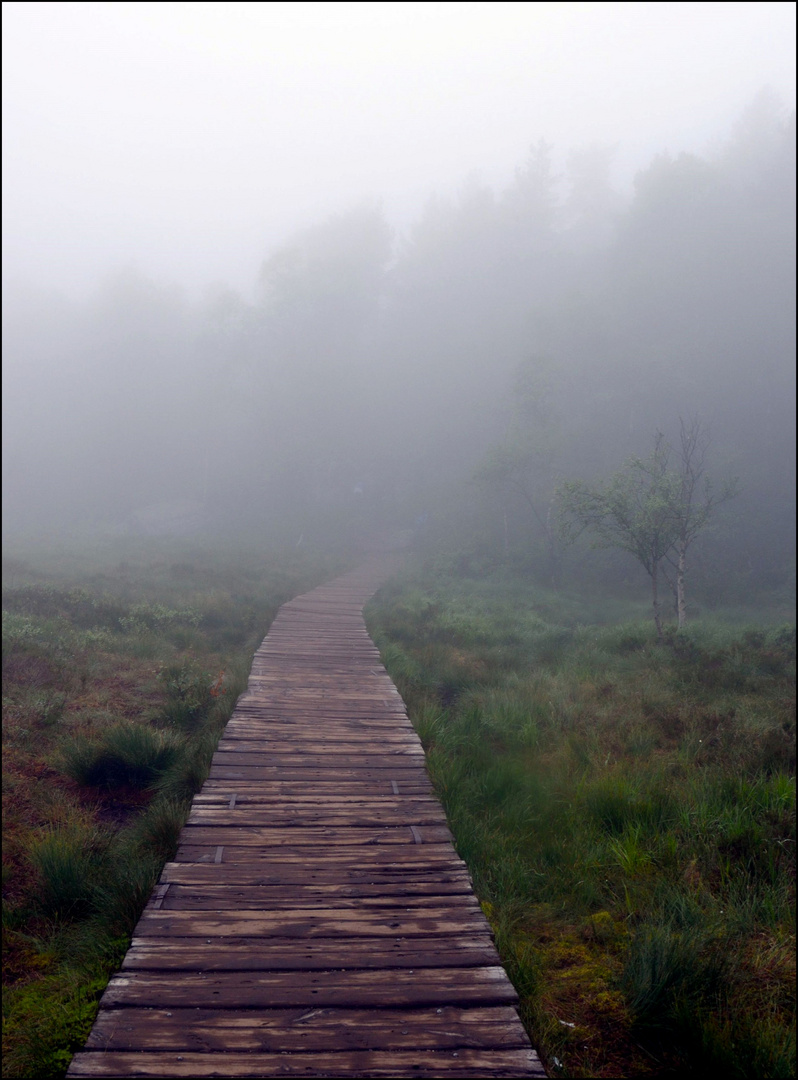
{"x":131,"y":754}
{"x":66,"y":863}
{"x":158,"y":829}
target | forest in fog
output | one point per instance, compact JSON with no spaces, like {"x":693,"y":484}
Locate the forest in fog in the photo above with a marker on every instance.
{"x":443,"y":380}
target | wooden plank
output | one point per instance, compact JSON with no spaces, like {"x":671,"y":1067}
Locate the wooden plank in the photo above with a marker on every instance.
{"x":233,"y":810}
{"x":426,"y":855}
{"x":343,"y":729}
{"x":298,"y":691}
{"x":296,"y":788}
{"x":288,"y":757}
{"x":316,"y":815}
{"x":313,"y":775}
{"x":292,"y":880}
{"x":406,"y":987}
{"x":264,"y":837}
{"x":313,"y":954}
{"x":345,"y":738}
{"x":311,"y":922}
{"x":257,"y":898}
{"x":285,"y":1030}
{"x":265,"y":737}
{"x":358,"y":800}
{"x":432,"y":1064}
{"x":313,"y":743}
{"x":287,"y":704}
{"x":259,"y":722}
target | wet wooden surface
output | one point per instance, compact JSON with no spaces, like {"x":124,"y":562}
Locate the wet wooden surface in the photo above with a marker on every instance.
{"x":316,"y":920}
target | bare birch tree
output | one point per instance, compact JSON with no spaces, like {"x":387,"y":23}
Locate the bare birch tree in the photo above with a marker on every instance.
{"x":650,"y":509}
{"x":693,"y":503}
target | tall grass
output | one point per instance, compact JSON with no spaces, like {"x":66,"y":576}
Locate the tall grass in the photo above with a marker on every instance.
{"x":627,"y":810}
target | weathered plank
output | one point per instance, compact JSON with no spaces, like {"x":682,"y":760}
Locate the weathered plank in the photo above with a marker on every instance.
{"x":234,"y":798}
{"x":312,"y":922}
{"x":359,"y":988}
{"x":368,"y":789}
{"x":242,"y":814}
{"x":296,"y":880}
{"x":428,"y":1064}
{"x":313,"y":774}
{"x":286,"y":1030}
{"x":343,"y":855}
{"x":257,"y":898}
{"x":286,"y":758}
{"x":262,"y":836}
{"x":342,"y":739}
{"x":312,"y":954}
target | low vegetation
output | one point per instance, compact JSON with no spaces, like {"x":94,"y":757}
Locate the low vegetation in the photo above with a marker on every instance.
{"x":627,"y":810}
{"x":120,"y":668}
{"x":626,"y":806}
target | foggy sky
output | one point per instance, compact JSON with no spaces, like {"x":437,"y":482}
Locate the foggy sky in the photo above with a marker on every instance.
{"x":191,"y":139}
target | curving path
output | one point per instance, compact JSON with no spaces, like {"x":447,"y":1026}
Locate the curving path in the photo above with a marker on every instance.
{"x":316,"y":920}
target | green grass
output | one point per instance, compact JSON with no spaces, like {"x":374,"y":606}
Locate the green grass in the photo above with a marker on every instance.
{"x":67,"y":862}
{"x":627,"y":810}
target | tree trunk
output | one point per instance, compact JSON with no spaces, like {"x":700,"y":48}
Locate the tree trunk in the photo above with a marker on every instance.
{"x":555,"y":565}
{"x":655,"y":595}
{"x":681,"y":570}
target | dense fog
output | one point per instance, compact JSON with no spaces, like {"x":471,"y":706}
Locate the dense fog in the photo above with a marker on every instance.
{"x":441,"y":377}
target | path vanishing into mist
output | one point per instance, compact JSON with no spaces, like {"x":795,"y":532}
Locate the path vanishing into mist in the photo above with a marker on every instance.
{"x":316,"y":920}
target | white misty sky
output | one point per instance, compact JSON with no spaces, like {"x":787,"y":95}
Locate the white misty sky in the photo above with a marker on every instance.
{"x":190,"y":139}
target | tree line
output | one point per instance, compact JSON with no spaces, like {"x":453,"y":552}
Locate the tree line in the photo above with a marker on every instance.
{"x":530,"y":336}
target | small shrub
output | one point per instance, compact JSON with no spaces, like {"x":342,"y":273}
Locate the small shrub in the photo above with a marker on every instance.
{"x":190,"y":693}
{"x":157,"y":618}
{"x":626,"y":639}
{"x":50,"y":707}
{"x":26,"y":668}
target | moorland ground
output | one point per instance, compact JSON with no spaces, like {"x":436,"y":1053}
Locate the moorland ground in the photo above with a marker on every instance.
{"x":626,"y":807}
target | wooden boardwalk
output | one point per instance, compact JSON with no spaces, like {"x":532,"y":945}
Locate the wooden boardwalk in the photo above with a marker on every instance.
{"x":316,"y":920}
